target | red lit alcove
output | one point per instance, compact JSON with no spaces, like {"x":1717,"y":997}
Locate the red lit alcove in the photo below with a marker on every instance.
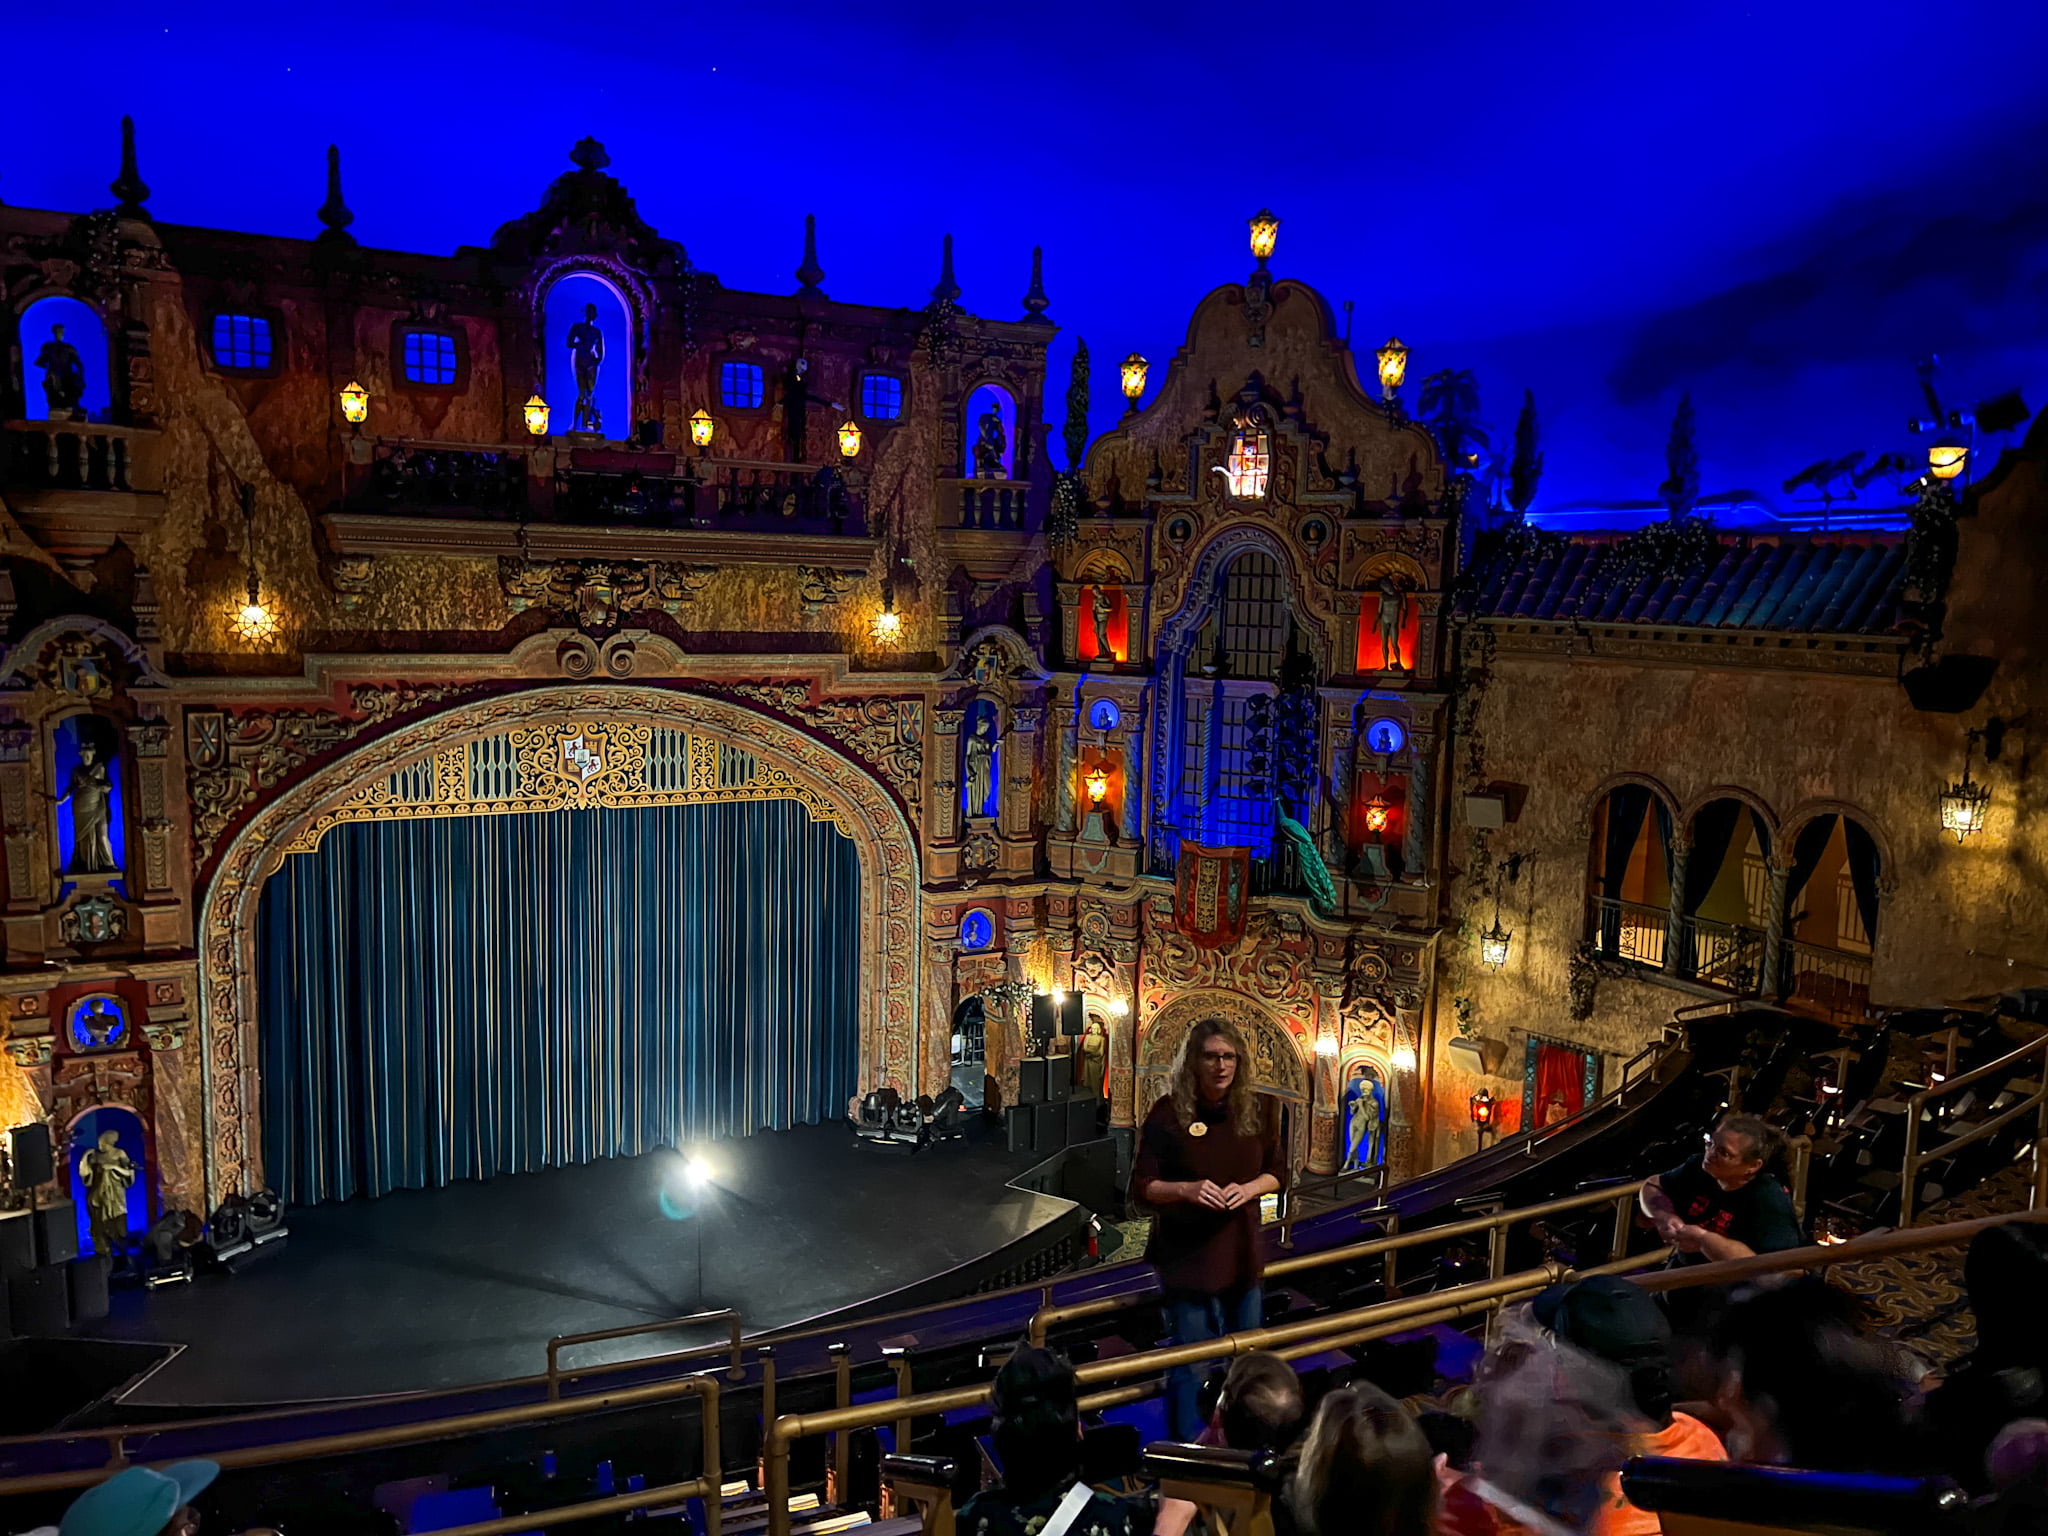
{"x":1119,"y":625}
{"x":1370,"y":658}
{"x":1393,"y":789}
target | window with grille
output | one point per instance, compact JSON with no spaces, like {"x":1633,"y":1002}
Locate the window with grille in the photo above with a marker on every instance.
{"x":881,"y":396}
{"x":241,"y":342}
{"x":741,"y":386}
{"x":430,"y":358}
{"x":1226,"y":798}
{"x":1251,"y":460}
{"x":1254,"y":617}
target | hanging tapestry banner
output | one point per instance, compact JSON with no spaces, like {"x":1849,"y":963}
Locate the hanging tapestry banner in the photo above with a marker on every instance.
{"x":1210,"y":886}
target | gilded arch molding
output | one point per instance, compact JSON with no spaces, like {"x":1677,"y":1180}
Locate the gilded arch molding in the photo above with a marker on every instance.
{"x":733,"y":753}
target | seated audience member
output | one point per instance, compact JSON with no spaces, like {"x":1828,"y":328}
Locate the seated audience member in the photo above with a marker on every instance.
{"x":1260,"y":1409}
{"x":141,"y":1501}
{"x":1803,"y":1387}
{"x":1365,"y":1469}
{"x":1722,"y":1204}
{"x":2006,"y":1376}
{"x":1037,"y":1442}
{"x":1460,"y":1511}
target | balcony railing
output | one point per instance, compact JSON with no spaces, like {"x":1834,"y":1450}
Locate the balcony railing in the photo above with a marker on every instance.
{"x":1830,"y":982}
{"x":451,"y":482}
{"x":78,"y":456}
{"x":1723,"y":955}
{"x":1630,"y":932}
{"x":991,"y":504}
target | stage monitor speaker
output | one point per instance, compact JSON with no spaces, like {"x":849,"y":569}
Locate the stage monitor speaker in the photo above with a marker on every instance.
{"x":56,"y":1233}
{"x":1031,"y":1080}
{"x":1088,"y":1175}
{"x":1059,"y":1078}
{"x":39,"y":1303}
{"x":17,"y":1243}
{"x":1073,"y":1013}
{"x":34,"y":1162}
{"x":1017,"y":1122}
{"x":1049,"y":1130}
{"x":86,"y":1283}
{"x":1082,"y":1115}
{"x":1044,"y":1018}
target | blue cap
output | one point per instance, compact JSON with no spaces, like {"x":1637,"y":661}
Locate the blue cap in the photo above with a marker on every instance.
{"x":138,"y":1501}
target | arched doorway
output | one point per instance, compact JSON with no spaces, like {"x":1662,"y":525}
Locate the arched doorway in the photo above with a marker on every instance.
{"x":1279,"y":1068}
{"x":574,"y":746}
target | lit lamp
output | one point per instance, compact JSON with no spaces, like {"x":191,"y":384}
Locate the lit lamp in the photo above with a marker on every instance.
{"x":1133,"y":372}
{"x":849,"y":440}
{"x":1326,"y":1045}
{"x":355,"y":404}
{"x":536,"y":413}
{"x":1964,"y":802}
{"x":1376,"y":813}
{"x":887,"y":627}
{"x":701,"y":426}
{"x":1493,"y":944}
{"x":1098,"y":785}
{"x":1118,"y":1007}
{"x":254,"y":623}
{"x":1402,"y":1058}
{"x":1946,"y":460}
{"x":1393,"y":360}
{"x":1482,"y":1106}
{"x":1265,"y":231}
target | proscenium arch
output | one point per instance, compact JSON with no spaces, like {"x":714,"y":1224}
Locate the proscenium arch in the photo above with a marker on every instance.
{"x":888,"y":983}
{"x":1271,"y":1043}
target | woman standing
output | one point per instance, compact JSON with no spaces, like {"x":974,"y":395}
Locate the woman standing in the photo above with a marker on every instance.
{"x":1206,"y":1153}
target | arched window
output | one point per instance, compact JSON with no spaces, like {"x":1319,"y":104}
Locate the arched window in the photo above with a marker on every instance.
{"x":1722,"y":902}
{"x":1252,"y":625}
{"x":991,"y":434}
{"x":64,"y":361}
{"x":1250,"y":463}
{"x":589,"y":341}
{"x":1831,"y":916}
{"x":1632,"y":876}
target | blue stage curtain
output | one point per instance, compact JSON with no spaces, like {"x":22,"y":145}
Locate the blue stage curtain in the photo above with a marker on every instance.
{"x":490,"y":994}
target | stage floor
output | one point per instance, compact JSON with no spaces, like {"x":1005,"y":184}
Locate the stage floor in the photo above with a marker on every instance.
{"x":433,"y":1288}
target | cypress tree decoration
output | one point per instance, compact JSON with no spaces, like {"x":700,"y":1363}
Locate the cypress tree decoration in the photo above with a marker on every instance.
{"x":1077,"y":405}
{"x":1681,"y":489}
{"x":1526,"y":468}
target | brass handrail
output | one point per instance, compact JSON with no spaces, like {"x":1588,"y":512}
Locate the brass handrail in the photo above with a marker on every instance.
{"x":1916,"y":1108}
{"x":1622,"y":1196}
{"x":556,"y":1375}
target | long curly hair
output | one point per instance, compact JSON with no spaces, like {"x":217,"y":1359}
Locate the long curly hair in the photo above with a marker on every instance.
{"x":1246,"y":1115}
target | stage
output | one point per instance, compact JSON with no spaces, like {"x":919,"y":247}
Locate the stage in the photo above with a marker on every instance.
{"x":437,"y":1288}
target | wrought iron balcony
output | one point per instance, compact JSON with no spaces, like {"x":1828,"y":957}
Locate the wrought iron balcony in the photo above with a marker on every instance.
{"x":1630,"y":932}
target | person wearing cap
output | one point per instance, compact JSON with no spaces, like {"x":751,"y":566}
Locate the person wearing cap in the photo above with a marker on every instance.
{"x":141,"y":1501}
{"x":1617,"y":1322}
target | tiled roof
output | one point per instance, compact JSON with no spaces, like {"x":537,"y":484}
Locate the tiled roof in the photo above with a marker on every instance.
{"x":1797,"y":584}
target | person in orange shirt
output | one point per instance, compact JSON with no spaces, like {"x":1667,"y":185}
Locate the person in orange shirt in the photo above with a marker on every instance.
{"x":1612,"y":1320}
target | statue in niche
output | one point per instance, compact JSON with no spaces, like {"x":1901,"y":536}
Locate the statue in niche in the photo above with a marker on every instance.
{"x":1091,"y":1058}
{"x":107,"y":1172}
{"x":1365,"y":1119}
{"x":1393,"y":603}
{"x":90,"y":796}
{"x":1101,"y":609}
{"x":63,"y":376}
{"x":586,"y":352}
{"x":989,"y":444}
{"x":981,"y":767}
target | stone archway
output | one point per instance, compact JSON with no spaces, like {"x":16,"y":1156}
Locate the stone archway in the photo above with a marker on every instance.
{"x":549,"y":749}
{"x":1278,"y":1064}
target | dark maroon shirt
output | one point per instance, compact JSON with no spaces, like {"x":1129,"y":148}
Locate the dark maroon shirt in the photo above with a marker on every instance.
{"x":1197,"y":1250}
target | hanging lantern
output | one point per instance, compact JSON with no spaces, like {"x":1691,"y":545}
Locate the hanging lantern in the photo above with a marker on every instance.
{"x":1493,"y":944}
{"x":1964,"y":802}
{"x":1098,"y":785}
{"x":1133,"y":372}
{"x":1946,"y":460}
{"x":849,"y":440}
{"x":887,"y":627}
{"x":536,"y":413}
{"x":254,"y":623}
{"x":355,"y":404}
{"x":1265,"y":232}
{"x":1393,"y":360}
{"x":701,"y":426}
{"x":1482,"y":1107}
{"x":1376,"y":813}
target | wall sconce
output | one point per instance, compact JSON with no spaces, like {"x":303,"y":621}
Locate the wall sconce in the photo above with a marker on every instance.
{"x":887,"y":627}
{"x":1482,"y":1107}
{"x":1119,"y":1007}
{"x":701,"y":427}
{"x":1947,"y":459}
{"x":1493,"y":945}
{"x":1393,"y":360}
{"x":1376,"y":813}
{"x":536,"y":413}
{"x":1402,"y":1058}
{"x":849,"y":439}
{"x":355,"y":404}
{"x":254,"y":622}
{"x":1964,"y":802}
{"x":1265,"y":233}
{"x":1133,"y":375}
{"x":1326,"y":1045}
{"x":1098,"y":786}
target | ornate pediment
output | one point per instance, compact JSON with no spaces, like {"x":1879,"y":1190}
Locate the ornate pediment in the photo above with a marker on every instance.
{"x":588,"y":213}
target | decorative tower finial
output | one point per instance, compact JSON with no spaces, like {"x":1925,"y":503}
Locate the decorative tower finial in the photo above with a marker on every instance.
{"x":589,"y":155}
{"x":1035,"y":301}
{"x":129,"y":187}
{"x":810,"y":274}
{"x":334,"y":212}
{"x":945,"y":290}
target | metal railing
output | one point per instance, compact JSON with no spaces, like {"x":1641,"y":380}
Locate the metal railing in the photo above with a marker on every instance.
{"x":556,"y":1375}
{"x":1727,"y":955}
{"x":1630,"y":931}
{"x":1831,"y":982}
{"x":2034,"y":1100}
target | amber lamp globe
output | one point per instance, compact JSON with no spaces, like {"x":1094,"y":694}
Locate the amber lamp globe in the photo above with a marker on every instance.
{"x":849,"y":440}
{"x":1265,"y":226}
{"x":701,"y":426}
{"x":1945,"y":461}
{"x":355,"y":404}
{"x":1393,"y":361}
{"x":1133,"y":372}
{"x":536,"y":413}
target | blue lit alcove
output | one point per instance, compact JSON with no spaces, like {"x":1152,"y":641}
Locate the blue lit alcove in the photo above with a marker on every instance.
{"x":70,"y":735}
{"x":564,"y":306}
{"x":985,"y":399}
{"x":85,"y":1135}
{"x":82,"y":329}
{"x":981,"y":712}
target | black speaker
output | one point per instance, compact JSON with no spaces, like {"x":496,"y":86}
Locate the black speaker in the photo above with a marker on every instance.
{"x":39,"y":1301}
{"x":56,"y":1233}
{"x":17,"y":1244}
{"x":1059,"y":1078}
{"x":1044,"y":1018}
{"x":1082,"y":1114}
{"x":34,"y":1162}
{"x":86,"y":1282}
{"x":1017,"y":1123}
{"x":1073,"y":1013}
{"x":1031,"y":1080}
{"x":1049,"y":1128}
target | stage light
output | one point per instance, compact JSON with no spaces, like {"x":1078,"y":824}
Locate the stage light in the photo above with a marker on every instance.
{"x":1133,"y":374}
{"x":697,"y":1170}
{"x":1119,"y":1007}
{"x":1265,"y":226}
{"x":1946,"y":460}
{"x":701,"y":427}
{"x":849,"y":440}
{"x":536,"y":413}
{"x":1059,"y":998}
{"x":1393,"y":361}
{"x":1402,"y":1058}
{"x":355,"y":404}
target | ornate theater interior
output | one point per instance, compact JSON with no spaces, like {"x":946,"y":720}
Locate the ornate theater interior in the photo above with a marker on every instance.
{"x":558,"y":812}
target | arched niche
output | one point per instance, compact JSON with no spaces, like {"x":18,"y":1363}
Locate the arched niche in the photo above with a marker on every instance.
{"x":981,"y":759}
{"x":44,"y":355}
{"x":91,"y":807}
{"x":1388,"y":604}
{"x":1362,"y":1115}
{"x":1632,"y":871}
{"x":984,"y":460}
{"x":1279,"y":1066}
{"x":567,"y":306}
{"x":130,"y":1136}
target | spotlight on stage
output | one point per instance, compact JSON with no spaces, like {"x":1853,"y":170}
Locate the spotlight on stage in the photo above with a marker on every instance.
{"x":686,"y":1178}
{"x":697,"y":1170}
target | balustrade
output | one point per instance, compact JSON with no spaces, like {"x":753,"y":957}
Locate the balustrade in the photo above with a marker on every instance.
{"x":998,"y":505}
{"x":78,"y":456}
